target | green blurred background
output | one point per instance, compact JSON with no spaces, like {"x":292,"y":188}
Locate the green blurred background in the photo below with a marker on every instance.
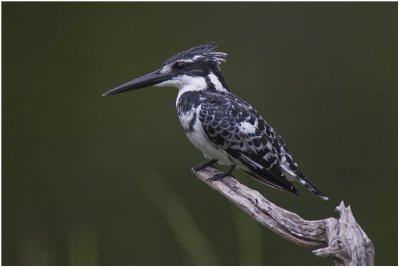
{"x":107,"y":181}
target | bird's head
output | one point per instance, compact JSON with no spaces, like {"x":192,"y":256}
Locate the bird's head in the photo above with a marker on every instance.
{"x":197,"y":68}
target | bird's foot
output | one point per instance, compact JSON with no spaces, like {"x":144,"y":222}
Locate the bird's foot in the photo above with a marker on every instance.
{"x":204,"y":165}
{"x":222,"y":175}
{"x":218,"y":177}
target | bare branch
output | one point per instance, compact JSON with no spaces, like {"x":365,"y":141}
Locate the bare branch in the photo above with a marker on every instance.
{"x":341,"y":239}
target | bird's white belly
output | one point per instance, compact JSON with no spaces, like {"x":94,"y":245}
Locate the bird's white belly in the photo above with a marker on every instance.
{"x":198,"y":138}
{"x":209,"y":150}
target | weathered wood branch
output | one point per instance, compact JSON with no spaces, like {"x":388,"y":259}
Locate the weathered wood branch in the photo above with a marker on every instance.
{"x":341,"y":239}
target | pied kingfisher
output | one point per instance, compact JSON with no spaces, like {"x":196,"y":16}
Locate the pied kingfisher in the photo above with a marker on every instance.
{"x":227,"y":129}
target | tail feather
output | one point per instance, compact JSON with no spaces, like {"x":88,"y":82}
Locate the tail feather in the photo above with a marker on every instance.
{"x":267,"y":176}
{"x":294,"y":173}
{"x":311,"y":187}
{"x":275,"y":185}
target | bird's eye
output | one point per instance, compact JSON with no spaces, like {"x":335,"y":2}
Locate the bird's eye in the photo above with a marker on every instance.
{"x":178,"y":65}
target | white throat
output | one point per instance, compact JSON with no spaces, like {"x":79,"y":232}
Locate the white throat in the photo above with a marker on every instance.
{"x":186,"y":83}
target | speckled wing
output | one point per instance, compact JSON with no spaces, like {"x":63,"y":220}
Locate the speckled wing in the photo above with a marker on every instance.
{"x":235,"y":127}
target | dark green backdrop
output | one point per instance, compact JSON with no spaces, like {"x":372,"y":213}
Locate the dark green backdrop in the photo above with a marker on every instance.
{"x":93,"y":180}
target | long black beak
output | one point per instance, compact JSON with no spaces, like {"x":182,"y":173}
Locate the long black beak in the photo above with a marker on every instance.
{"x":144,"y":81}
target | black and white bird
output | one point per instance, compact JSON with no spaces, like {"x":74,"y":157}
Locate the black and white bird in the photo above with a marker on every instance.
{"x":227,"y":129}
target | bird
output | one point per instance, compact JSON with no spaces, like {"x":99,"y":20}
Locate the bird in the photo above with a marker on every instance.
{"x":225,"y":128}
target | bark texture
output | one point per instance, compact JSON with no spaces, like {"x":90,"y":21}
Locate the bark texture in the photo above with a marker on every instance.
{"x":341,"y":239}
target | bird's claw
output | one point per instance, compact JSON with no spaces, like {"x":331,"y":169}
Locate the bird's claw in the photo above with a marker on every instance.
{"x":203,"y":165}
{"x":197,"y":168}
{"x":217,"y":177}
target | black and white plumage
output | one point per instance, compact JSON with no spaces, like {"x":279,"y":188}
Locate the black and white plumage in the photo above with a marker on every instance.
{"x":227,"y":129}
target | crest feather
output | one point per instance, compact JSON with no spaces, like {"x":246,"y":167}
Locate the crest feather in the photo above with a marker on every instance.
{"x":206,"y":50}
